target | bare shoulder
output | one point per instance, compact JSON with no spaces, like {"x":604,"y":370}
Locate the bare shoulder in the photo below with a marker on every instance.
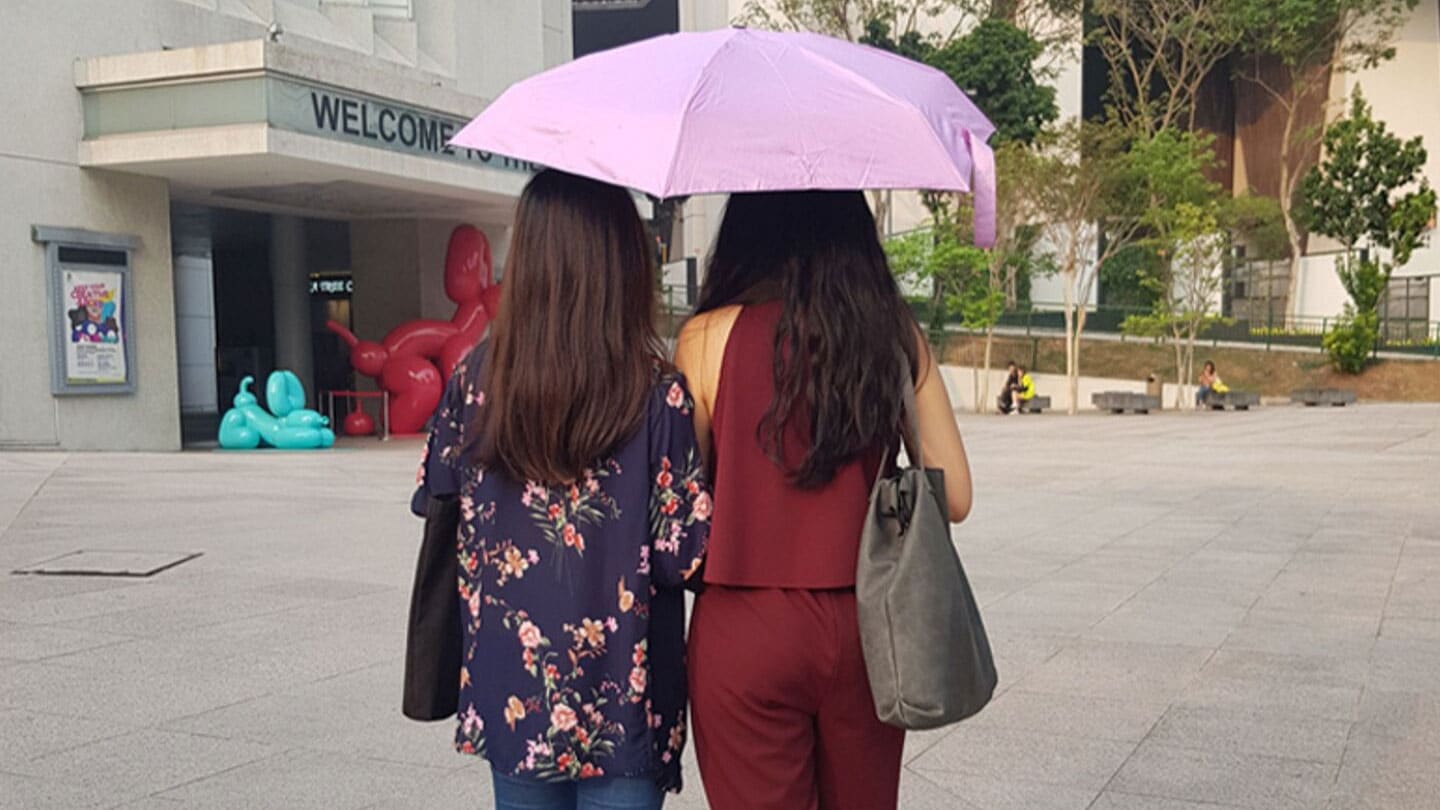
{"x":700,"y":351}
{"x":702,"y":338}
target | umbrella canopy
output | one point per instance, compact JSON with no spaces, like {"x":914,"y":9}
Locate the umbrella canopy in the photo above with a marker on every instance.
{"x":740,"y":110}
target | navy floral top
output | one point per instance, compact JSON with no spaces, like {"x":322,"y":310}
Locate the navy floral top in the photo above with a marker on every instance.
{"x":573,"y":612}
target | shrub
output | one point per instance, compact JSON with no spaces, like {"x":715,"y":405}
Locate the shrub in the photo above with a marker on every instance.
{"x":1351,"y":341}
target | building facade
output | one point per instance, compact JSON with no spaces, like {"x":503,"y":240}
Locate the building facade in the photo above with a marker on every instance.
{"x":190,"y":189}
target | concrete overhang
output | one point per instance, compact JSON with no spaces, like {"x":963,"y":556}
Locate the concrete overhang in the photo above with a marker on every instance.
{"x":263,"y":126}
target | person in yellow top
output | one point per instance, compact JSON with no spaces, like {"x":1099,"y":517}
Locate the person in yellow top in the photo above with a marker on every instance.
{"x":1210,"y":382}
{"x":1019,"y":389}
{"x":1025,"y":391}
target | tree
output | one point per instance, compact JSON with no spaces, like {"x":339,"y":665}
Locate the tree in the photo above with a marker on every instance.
{"x":1368,"y":192}
{"x":1186,"y":287}
{"x":1124,"y":189}
{"x":1159,"y":52}
{"x":940,"y":255}
{"x":937,"y":22}
{"x":1310,"y":39}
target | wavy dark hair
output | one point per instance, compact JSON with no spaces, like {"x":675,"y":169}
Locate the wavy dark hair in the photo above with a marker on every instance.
{"x":844,"y":327}
{"x":573,"y":351}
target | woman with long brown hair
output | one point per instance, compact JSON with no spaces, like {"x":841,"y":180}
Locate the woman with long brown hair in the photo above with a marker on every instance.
{"x":799,"y":357}
{"x":583,"y":509}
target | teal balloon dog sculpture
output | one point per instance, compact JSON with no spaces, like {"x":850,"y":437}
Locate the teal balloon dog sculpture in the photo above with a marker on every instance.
{"x":289,"y":425}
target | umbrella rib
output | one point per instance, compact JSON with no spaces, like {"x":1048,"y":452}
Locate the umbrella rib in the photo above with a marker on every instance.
{"x":903,"y":104}
{"x":685,"y":113}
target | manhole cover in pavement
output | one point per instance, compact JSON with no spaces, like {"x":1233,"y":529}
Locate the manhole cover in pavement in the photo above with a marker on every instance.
{"x":108,"y":563}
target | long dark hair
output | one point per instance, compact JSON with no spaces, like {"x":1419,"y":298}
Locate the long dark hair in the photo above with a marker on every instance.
{"x":844,"y":327}
{"x":574,"y":349}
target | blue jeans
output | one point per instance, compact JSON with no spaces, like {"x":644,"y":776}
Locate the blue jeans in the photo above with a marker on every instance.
{"x":515,"y":793}
{"x":1201,"y":394}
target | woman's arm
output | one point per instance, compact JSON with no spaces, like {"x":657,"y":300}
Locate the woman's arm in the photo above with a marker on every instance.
{"x":940,"y":440}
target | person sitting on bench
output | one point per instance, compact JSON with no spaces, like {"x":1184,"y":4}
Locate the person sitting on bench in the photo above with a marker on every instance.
{"x":1019,"y":390}
{"x":1210,"y":383}
{"x":1006,"y":401}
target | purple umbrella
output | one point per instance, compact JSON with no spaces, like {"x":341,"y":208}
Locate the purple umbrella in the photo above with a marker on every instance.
{"x":739,"y":110}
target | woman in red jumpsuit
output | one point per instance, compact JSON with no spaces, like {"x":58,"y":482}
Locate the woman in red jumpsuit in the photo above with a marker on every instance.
{"x":796,"y":358}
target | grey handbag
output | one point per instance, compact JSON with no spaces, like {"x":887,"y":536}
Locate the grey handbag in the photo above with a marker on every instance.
{"x":925,"y":647}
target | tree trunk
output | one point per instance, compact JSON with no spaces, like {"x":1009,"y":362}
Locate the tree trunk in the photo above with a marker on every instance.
{"x":1074,"y":361}
{"x":1190,"y":354}
{"x":983,"y":402}
{"x":1071,"y":379}
{"x":1287,"y":212}
{"x":975,"y":382}
{"x":1179,"y":369}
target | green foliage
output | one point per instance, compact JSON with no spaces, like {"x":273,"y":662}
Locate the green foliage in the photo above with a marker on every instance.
{"x":1351,"y":341}
{"x":1364,"y":279}
{"x":1369,"y":190}
{"x":1355,"y":193}
{"x":1159,"y":175}
{"x":1306,"y":33}
{"x":1123,"y":277}
{"x":994,"y":63}
{"x":956,"y":270}
{"x":1260,"y":224}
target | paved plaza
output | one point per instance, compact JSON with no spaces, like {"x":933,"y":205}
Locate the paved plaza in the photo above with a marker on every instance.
{"x":1189,"y":612}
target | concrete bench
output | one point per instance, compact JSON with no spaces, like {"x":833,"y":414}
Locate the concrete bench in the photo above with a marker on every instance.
{"x":1036,"y":404}
{"x":1310,"y":397}
{"x":1122,"y":401}
{"x":1235,"y":400}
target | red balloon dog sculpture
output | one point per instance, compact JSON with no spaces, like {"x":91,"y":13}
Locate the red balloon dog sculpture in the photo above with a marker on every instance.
{"x":413,"y":362}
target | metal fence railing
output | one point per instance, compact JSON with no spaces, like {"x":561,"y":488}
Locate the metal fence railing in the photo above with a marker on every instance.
{"x":1417,"y":337}
{"x":1272,"y":329}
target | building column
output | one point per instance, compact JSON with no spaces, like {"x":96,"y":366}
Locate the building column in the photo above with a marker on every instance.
{"x":290,"y":283}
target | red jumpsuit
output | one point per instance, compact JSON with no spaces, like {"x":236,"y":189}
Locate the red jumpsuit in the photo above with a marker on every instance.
{"x":784,"y":718}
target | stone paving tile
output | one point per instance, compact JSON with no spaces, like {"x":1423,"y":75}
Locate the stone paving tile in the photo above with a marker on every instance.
{"x":1243,"y":680}
{"x":1070,"y":715}
{"x":1023,"y":756}
{"x":1245,"y":780}
{"x":471,"y":788}
{"x":1295,"y":632}
{"x":1112,"y":800}
{"x":1153,"y":673}
{"x":337,"y":722}
{"x":28,"y":735}
{"x":1405,"y":666}
{"x":28,"y":642}
{"x":138,"y":764}
{"x":1382,"y":773}
{"x":28,"y":793}
{"x":958,"y":791}
{"x":305,"y":780}
{"x":1250,"y":732}
{"x":1148,"y":619}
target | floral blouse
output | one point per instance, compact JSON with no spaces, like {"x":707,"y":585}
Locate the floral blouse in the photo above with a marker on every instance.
{"x":574,"y":652}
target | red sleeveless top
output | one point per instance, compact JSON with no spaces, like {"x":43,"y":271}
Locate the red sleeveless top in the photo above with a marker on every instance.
{"x":766,"y":532}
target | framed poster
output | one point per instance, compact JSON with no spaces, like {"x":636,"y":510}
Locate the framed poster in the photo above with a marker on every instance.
{"x":92,"y":344}
{"x":93,"y":336}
